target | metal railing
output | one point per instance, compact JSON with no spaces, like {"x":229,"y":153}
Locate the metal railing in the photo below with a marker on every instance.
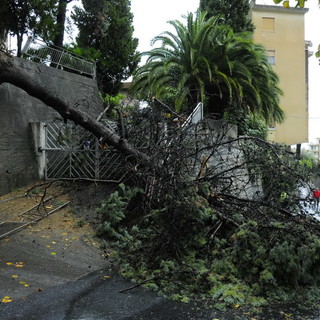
{"x":60,"y":58}
{"x":195,"y":116}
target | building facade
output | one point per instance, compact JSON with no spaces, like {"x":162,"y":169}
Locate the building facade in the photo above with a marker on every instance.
{"x":314,"y":149}
{"x":281,"y":31}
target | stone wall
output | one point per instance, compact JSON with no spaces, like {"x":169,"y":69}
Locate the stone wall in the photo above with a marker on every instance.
{"x":218,"y":155}
{"x":18,"y":164}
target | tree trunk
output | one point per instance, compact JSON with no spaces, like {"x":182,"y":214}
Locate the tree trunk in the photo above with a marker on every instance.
{"x":61,"y":17}
{"x":9,"y":73}
{"x":298,"y":151}
{"x":19,"y":44}
{"x":3,"y":38}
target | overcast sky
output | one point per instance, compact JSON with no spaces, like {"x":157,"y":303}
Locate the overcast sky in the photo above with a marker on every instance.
{"x":151,"y":16}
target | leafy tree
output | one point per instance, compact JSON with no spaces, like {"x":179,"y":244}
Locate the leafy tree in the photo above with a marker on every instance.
{"x":207,"y":62}
{"x":23,"y":17}
{"x":234,"y":12}
{"x":248,"y":124}
{"x":106,"y":35}
{"x":34,"y":18}
{"x":300,"y":3}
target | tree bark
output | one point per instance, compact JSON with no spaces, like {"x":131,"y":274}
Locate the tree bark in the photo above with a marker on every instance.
{"x":61,"y":17}
{"x":11,"y":74}
{"x":19,"y":44}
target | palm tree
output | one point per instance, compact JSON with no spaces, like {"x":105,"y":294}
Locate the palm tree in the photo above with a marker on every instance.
{"x":181,"y":62}
{"x":205,"y":61}
{"x":254,"y":83}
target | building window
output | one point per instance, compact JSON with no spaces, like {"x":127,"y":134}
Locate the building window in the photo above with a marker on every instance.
{"x":268,"y":24}
{"x":271,"y":56}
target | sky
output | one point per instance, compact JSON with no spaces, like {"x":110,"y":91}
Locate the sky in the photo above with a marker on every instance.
{"x":151,"y":16}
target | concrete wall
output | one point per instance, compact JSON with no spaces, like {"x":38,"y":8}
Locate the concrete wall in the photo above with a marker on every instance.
{"x":18,"y":164}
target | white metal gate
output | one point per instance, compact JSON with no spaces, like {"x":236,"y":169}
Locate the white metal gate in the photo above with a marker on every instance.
{"x":71,"y":152}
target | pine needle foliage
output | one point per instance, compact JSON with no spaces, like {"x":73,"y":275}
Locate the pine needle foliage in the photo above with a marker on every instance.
{"x":197,"y":239}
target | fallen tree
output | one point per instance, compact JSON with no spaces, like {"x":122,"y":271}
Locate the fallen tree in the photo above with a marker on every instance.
{"x":207,"y":216}
{"x":10,"y":73}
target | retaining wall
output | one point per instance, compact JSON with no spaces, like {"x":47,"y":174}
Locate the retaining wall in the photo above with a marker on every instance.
{"x":18,"y":163}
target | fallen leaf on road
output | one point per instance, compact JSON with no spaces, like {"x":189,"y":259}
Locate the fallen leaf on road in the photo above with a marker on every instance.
{"x":53,"y":253}
{"x":9,"y":263}
{"x":24,"y":284}
{"x":14,"y":276}
{"x":19,"y":265}
{"x":7,"y":239}
{"x":6,"y":300}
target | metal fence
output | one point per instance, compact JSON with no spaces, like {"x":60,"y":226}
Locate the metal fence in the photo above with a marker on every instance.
{"x":74,"y":153}
{"x":50,"y":55}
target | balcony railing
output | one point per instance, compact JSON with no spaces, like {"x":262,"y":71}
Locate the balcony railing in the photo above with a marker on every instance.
{"x":60,"y":58}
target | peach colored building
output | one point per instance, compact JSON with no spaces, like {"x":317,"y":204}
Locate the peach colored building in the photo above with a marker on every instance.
{"x":281,"y":31}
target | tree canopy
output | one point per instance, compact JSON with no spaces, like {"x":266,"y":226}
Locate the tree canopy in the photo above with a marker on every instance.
{"x":236,"y":13}
{"x":32,"y":17}
{"x":106,"y":35}
{"x":205,"y":61}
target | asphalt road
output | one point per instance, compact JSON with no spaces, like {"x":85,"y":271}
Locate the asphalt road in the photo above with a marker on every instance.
{"x":59,"y":276}
{"x":96,"y":297}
